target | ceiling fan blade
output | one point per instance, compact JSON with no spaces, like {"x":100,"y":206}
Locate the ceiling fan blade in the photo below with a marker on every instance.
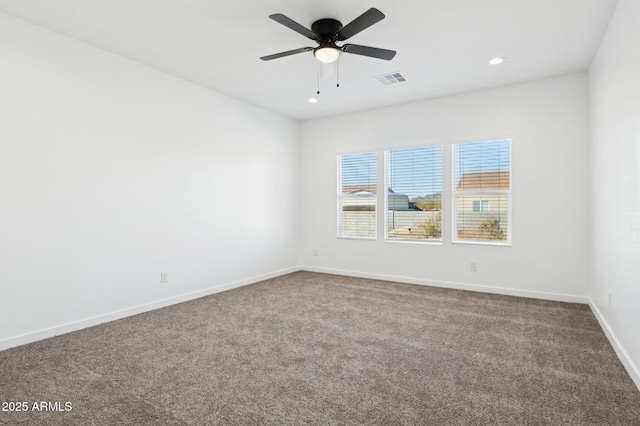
{"x":290,"y":23}
{"x":362,"y":22}
{"x":373,"y":52}
{"x":287,"y":53}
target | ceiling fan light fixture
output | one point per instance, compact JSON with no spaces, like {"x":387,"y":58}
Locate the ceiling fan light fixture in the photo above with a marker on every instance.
{"x":326,"y":54}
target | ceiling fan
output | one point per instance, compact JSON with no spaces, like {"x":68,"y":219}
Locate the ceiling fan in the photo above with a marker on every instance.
{"x":326,"y":32}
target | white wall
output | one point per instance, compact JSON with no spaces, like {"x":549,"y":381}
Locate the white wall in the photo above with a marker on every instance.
{"x":548,"y":123}
{"x":615,"y":183}
{"x":111,"y":172}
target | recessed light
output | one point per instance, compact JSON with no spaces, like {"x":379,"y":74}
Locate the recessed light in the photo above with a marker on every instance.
{"x":312,"y":100}
{"x":497,"y":60}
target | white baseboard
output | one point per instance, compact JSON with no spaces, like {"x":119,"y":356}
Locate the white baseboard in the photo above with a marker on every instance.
{"x":557,"y":297}
{"x":134,"y":310}
{"x":631,"y":368}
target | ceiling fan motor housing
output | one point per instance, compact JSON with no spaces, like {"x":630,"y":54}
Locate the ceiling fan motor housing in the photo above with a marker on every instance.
{"x":326,"y":30}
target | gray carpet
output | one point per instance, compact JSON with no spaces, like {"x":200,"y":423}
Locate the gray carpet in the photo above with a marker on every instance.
{"x":310,"y":348}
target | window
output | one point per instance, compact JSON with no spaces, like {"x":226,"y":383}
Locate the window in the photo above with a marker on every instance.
{"x":482,"y":192}
{"x":481,"y":205}
{"x":413,"y":195}
{"x":357,"y":192}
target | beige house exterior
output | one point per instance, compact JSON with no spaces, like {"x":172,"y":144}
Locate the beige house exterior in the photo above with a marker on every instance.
{"x":484,"y":181}
{"x":477,"y":212}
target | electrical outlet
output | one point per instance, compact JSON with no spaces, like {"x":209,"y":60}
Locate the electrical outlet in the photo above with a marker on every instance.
{"x":473,"y":266}
{"x":315,"y":252}
{"x":164,"y":277}
{"x":610,"y":299}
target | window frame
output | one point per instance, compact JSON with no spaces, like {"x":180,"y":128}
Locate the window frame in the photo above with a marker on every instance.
{"x":480,"y":193}
{"x":387,"y":185}
{"x":340,"y":197}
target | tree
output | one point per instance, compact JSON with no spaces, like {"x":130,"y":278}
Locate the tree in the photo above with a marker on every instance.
{"x":490,"y":229}
{"x":432,"y":227}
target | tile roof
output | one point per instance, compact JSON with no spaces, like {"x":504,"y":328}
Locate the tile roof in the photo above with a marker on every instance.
{"x":479,"y":181}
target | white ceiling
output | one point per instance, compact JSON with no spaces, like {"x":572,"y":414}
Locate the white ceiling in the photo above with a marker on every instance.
{"x":443,"y":45}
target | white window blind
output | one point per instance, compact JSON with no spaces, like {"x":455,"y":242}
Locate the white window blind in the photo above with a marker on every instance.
{"x":357,"y":192}
{"x":413,"y":196}
{"x":482,"y":192}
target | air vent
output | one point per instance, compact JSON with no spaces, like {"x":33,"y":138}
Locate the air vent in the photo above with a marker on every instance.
{"x":392,"y":78}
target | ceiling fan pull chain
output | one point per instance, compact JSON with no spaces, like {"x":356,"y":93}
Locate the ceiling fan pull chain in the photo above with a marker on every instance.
{"x":318,"y":77}
{"x":338,"y":73}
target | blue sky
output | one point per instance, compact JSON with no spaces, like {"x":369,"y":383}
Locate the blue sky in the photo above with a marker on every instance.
{"x":416,"y":171}
{"x":360,"y":169}
{"x":491,"y":156}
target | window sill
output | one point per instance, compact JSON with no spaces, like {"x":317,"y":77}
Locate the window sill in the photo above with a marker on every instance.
{"x":483,"y":243}
{"x":419,"y":242}
{"x":357,"y":238}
